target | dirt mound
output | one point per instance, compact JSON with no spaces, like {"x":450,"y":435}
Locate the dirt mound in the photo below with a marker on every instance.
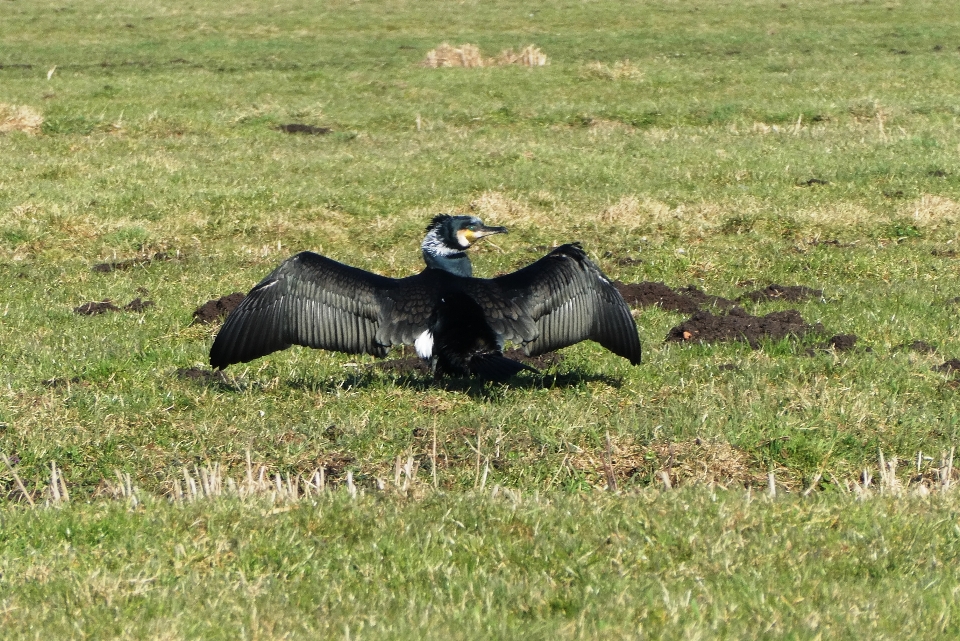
{"x":101,"y":307}
{"x":838,"y":343}
{"x":687,"y":299}
{"x":95,"y":308}
{"x":213,"y":310}
{"x":738,"y":325}
{"x":139,"y":261}
{"x":916,"y":346}
{"x":138,"y":305}
{"x":948,"y":367}
{"x":842,"y":342}
{"x":791,"y":293}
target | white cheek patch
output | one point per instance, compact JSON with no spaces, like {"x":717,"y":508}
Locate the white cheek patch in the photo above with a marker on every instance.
{"x":424,"y":345}
{"x":463,"y":237}
{"x":433,"y":245}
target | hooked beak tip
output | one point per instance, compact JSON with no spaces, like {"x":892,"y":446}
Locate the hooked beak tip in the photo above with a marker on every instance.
{"x":489,"y":231}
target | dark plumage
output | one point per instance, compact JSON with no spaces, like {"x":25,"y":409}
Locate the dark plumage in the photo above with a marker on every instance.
{"x":457,"y":322}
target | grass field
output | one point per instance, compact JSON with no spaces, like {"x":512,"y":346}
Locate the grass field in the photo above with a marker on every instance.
{"x":726,"y":145}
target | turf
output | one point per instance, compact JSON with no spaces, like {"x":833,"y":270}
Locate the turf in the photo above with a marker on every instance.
{"x":727,"y":145}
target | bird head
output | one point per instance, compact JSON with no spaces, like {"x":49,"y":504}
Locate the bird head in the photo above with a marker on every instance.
{"x":457,"y":233}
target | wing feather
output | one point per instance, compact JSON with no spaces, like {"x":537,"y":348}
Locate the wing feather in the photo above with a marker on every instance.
{"x":559,"y":300}
{"x":315,"y":301}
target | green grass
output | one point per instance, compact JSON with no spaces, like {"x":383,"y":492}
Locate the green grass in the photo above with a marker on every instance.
{"x":686,"y":564}
{"x":683,"y":135}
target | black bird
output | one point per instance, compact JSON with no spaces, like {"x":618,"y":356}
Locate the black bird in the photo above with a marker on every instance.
{"x":457,"y":322}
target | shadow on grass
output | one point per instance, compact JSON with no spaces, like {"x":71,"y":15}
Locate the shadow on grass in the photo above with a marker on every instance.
{"x":370,"y":378}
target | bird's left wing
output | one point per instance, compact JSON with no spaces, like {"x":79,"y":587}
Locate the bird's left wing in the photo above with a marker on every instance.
{"x":562,"y":299}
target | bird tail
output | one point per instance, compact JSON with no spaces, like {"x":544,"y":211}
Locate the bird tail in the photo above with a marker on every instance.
{"x":495,"y":366}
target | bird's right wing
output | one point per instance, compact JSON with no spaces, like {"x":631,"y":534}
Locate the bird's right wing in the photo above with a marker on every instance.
{"x":567,"y":299}
{"x":313,"y":301}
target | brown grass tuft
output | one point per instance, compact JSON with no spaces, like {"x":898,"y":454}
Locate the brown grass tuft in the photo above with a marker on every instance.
{"x":19,"y":118}
{"x":529,"y":56}
{"x":468,"y":55}
{"x":446,"y":55}
{"x":620,"y":70}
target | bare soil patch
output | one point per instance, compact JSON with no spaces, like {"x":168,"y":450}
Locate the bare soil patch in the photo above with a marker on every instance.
{"x":738,"y":325}
{"x":948,"y":367}
{"x":686,"y":300}
{"x":214,"y":310}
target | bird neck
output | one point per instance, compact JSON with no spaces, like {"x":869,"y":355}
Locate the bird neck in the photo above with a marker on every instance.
{"x":440,"y":255}
{"x":457,"y":263}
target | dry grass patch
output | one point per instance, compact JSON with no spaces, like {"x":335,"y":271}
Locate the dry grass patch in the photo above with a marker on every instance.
{"x":605,"y":127}
{"x":19,"y":118}
{"x":446,"y":55}
{"x":931,"y":212}
{"x":529,"y":56}
{"x":468,"y":55}
{"x":496,"y":207}
{"x":675,"y":464}
{"x":631,"y":212}
{"x":620,"y":70}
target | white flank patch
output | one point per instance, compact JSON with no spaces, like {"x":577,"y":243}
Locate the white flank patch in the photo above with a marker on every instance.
{"x":424,"y":345}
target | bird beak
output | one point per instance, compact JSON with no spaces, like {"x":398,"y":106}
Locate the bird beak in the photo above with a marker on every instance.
{"x":488,"y":231}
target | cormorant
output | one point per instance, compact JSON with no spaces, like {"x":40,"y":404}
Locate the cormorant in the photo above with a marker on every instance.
{"x":456,"y":322}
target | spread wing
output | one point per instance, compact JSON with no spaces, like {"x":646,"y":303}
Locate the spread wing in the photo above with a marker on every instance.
{"x":315,"y":301}
{"x":559,"y":300}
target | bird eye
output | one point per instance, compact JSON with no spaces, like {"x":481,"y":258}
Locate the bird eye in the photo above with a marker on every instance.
{"x":472,"y":227}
